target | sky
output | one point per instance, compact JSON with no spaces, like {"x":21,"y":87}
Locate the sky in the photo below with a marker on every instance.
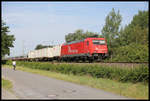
{"x":47,"y":23}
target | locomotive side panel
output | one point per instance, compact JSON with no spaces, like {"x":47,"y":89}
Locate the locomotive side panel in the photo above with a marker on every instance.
{"x":74,"y":49}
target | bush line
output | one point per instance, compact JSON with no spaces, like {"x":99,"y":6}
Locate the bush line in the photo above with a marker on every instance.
{"x":134,"y":75}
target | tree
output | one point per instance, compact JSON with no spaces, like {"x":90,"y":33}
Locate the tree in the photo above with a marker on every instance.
{"x":39,"y":46}
{"x":140,"y":19}
{"x":110,"y":30}
{"x":79,"y":35}
{"x":140,"y":27}
{"x":7,"y":40}
{"x":91,"y":34}
{"x":137,"y":30}
{"x":133,"y":40}
{"x":69,"y":38}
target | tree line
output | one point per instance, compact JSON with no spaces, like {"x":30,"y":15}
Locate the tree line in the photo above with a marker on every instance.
{"x":40,"y":46}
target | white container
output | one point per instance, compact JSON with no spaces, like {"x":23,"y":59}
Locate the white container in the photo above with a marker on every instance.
{"x":56,"y":51}
{"x":49,"y":52}
{"x":31,"y":54}
{"x":45,"y":52}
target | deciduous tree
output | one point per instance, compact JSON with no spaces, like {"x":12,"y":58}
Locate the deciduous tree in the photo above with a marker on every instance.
{"x":79,"y":35}
{"x":7,"y":40}
{"x":39,"y":46}
{"x":110,"y":30}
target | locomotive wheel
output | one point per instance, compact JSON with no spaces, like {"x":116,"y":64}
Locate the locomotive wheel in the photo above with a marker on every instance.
{"x":77,"y":59}
{"x":99,"y":58}
{"x":91,"y":60}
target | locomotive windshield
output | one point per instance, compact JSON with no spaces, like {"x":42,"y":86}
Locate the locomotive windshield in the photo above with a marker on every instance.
{"x":98,"y":42}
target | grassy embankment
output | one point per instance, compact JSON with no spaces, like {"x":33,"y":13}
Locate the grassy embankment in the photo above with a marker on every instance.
{"x":6,"y":84}
{"x":137,"y":90}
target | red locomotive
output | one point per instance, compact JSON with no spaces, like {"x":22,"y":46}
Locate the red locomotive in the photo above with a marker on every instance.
{"x":86,"y":49}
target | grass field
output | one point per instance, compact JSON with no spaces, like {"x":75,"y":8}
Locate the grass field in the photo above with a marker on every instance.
{"x":6,"y":84}
{"x":131,"y":90}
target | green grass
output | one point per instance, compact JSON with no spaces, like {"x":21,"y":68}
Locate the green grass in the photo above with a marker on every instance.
{"x":131,"y":90}
{"x":6,"y":84}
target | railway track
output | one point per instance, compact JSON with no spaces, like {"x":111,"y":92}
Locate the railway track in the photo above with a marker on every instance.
{"x":112,"y":64}
{"x":116,"y":64}
{"x":103,"y":62}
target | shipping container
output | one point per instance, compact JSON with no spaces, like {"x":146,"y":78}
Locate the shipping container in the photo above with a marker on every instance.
{"x":45,"y":52}
{"x":56,"y":51}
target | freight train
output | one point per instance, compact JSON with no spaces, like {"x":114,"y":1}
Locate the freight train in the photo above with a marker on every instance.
{"x":87,"y":49}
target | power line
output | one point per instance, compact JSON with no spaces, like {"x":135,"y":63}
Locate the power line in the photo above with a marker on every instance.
{"x":23,"y":47}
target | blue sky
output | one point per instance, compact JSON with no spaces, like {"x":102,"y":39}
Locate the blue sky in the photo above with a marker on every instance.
{"x":47,"y":23}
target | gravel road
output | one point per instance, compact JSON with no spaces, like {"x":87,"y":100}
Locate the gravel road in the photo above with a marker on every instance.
{"x":33,"y":86}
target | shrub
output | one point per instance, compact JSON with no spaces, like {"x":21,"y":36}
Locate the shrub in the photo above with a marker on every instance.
{"x":136,"y":74}
{"x":131,"y":53}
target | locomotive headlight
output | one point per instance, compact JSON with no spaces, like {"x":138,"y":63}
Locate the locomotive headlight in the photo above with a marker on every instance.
{"x":96,"y":48}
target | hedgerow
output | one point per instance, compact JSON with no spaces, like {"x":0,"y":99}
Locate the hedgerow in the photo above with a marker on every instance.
{"x":131,"y":53}
{"x":136,"y":74}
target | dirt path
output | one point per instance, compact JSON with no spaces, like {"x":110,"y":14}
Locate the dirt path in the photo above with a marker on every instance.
{"x":33,"y":86}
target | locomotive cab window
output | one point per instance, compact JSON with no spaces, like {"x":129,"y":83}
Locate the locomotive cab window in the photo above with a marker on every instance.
{"x":98,"y":42}
{"x":87,"y":43}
